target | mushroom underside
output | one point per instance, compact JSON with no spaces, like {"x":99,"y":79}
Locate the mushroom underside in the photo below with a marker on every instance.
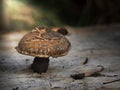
{"x":40,"y":65}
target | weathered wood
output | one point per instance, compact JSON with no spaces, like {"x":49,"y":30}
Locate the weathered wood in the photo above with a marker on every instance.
{"x":104,"y":41}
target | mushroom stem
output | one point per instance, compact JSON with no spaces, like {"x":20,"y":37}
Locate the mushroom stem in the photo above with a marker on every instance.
{"x":40,"y":64}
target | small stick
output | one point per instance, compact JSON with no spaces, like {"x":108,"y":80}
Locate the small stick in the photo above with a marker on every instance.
{"x":106,"y":75}
{"x":111,"y":81}
{"x":86,"y":61}
{"x":102,"y":68}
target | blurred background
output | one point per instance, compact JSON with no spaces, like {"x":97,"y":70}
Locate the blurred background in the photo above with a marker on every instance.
{"x":94,"y":27}
{"x":25,"y":14}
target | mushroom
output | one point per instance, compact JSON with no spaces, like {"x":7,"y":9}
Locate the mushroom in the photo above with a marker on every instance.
{"x":61,"y":30}
{"x":43,"y":43}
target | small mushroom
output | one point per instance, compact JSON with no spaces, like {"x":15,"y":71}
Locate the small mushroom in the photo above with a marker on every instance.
{"x":43,"y":43}
{"x":61,"y":30}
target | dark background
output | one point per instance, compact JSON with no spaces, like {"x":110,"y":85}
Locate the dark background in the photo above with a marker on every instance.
{"x":58,"y":13}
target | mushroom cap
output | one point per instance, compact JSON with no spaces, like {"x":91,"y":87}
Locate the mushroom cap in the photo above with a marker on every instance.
{"x":61,"y":30}
{"x":43,"y":42}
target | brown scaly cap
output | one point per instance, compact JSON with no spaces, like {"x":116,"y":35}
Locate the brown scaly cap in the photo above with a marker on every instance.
{"x":61,"y":30}
{"x":43,"y":42}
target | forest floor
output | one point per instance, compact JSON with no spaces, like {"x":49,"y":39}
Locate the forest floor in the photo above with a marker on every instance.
{"x":99,"y":44}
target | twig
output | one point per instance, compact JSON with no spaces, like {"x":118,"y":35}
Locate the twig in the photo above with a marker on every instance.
{"x":111,"y":81}
{"x":86,"y":60}
{"x":102,"y":68}
{"x":106,"y":75}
